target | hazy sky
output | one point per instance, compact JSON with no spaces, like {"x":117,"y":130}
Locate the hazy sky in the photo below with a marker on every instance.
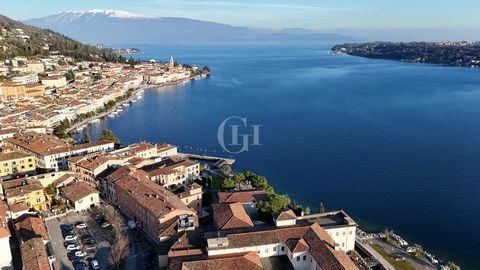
{"x":312,"y":14}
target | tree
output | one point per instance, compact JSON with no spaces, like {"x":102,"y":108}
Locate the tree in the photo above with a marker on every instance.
{"x":107,"y":135}
{"x":51,"y":190}
{"x":228,"y":184}
{"x":321,"y":208}
{"x":86,"y":138}
{"x":97,"y":76}
{"x":131,"y":62}
{"x":277,"y":202}
{"x":206,"y":69}
{"x":453,"y":266}
{"x":70,"y":75}
{"x":418,"y":250}
{"x":120,"y":248}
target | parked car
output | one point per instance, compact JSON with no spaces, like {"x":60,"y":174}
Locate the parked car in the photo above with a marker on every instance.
{"x":70,"y":237}
{"x":66,"y":227}
{"x":98,"y":216}
{"x":87,"y":239}
{"x":80,"y":254}
{"x":80,"y":266}
{"x":72,"y":246}
{"x":94,"y":264}
{"x":105,"y":224}
{"x":74,"y":259}
{"x":81,"y":225}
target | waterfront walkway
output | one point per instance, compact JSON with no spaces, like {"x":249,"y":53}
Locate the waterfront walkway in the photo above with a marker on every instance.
{"x":385,"y":264}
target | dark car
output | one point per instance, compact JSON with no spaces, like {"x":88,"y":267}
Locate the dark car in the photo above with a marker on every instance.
{"x":73,"y":258}
{"x":66,"y":227}
{"x":88,"y":241}
{"x":98,"y":216}
{"x":80,"y":266}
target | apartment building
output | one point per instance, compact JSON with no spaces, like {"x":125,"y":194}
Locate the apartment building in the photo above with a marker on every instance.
{"x":51,"y":152}
{"x":156,"y":210}
{"x":173,"y":172}
{"x":89,"y":167}
{"x":14,"y":162}
{"x":28,"y":191}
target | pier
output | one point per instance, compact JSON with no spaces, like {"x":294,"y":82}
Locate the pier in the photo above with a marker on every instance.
{"x":219,"y":161}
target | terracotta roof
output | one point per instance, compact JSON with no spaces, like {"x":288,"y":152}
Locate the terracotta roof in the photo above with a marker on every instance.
{"x":19,"y":207}
{"x":322,"y":249}
{"x":34,"y":255}
{"x":297,"y":245}
{"x":4,"y":230}
{"x":285,"y":215}
{"x":230,"y":216}
{"x":14,"y":155}
{"x":30,"y":226}
{"x":245,"y":261}
{"x":242,"y":196}
{"x":77,"y":191}
{"x":149,"y":195}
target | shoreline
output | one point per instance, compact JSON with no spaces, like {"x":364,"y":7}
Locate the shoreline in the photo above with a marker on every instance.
{"x":73,"y":128}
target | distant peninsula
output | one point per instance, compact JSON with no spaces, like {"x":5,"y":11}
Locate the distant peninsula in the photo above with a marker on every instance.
{"x":127,"y":51}
{"x":458,"y":54}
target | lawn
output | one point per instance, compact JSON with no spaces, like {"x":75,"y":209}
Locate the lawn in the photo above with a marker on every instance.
{"x":399,"y":265}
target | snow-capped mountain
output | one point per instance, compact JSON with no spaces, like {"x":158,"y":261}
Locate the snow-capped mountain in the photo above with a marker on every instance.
{"x":117,"y":26}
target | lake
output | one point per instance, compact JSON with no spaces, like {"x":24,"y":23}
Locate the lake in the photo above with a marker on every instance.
{"x":395,"y":145}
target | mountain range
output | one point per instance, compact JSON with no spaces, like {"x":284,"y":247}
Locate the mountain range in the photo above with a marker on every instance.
{"x":19,"y":39}
{"x":117,"y":27}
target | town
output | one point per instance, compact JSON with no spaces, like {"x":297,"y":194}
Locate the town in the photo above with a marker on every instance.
{"x":103,"y":205}
{"x":448,"y":53}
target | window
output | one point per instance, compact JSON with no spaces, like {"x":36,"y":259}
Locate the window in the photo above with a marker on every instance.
{"x":266,"y":250}
{"x":283,"y":248}
{"x":298,"y":258}
{"x":91,"y":199}
{"x":274,"y":249}
{"x":343,"y":244}
{"x":337,"y":234}
{"x":343,"y":233}
{"x":304,"y":257}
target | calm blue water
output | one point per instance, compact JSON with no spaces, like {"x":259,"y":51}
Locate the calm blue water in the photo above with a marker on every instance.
{"x":396,"y":145}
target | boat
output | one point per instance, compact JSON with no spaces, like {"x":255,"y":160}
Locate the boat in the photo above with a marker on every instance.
{"x":94,"y":121}
{"x":133,"y":100}
{"x":125,"y":104}
{"x":119,"y":110}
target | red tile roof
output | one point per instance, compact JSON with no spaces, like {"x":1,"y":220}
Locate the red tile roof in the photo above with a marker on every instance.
{"x":230,"y":216}
{"x":242,"y":196}
{"x":77,"y":191}
{"x":4,"y":230}
{"x":246,"y":261}
{"x":34,"y":255}
{"x":29,"y":227}
{"x":285,"y":215}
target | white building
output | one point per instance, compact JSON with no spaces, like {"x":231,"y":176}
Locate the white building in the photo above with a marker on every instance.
{"x":26,"y":79}
{"x":80,"y":196}
{"x":307,"y":247}
{"x":52,"y":153}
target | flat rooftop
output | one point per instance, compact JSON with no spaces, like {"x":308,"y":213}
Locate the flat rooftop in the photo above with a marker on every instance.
{"x":329,"y":219}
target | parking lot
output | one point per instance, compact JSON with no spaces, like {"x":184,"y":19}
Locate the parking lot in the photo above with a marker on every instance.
{"x":141,"y":255}
{"x":98,"y":248}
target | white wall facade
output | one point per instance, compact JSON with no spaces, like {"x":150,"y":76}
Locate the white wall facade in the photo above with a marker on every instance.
{"x":6,"y":257}
{"x":343,"y":236}
{"x":85,"y":203}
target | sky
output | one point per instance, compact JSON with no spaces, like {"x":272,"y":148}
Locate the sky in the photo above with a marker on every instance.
{"x":347,"y":15}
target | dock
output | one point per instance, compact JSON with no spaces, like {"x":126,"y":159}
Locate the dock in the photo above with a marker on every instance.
{"x":219,"y":161}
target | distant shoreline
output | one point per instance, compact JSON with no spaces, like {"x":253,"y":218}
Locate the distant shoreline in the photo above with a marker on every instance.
{"x":453,"y":54}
